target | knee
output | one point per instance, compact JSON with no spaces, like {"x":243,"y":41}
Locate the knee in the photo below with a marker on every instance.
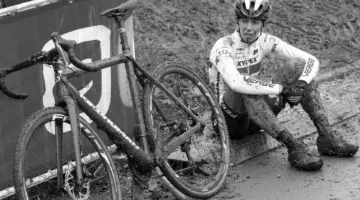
{"x":290,"y":72}
{"x":312,"y":90}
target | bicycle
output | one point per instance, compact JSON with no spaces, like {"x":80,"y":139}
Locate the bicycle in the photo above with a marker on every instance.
{"x":177,"y":119}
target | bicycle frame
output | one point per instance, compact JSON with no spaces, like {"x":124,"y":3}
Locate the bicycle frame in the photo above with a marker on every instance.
{"x":67,"y":94}
{"x":145,"y":158}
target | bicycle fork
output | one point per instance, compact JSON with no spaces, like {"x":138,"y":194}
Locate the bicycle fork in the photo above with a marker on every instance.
{"x":63,"y":98}
{"x":75,"y":127}
{"x":74,"y":122}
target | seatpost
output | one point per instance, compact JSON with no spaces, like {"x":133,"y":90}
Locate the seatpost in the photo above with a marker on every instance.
{"x":123,"y":37}
{"x":139,"y":118}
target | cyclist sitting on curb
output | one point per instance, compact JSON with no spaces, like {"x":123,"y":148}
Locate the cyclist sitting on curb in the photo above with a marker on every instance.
{"x":236,"y":59}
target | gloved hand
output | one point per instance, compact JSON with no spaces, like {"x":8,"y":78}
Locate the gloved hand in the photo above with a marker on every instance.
{"x":293,"y":93}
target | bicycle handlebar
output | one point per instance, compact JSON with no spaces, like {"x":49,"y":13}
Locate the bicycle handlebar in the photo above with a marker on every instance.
{"x":61,"y":46}
{"x":36,"y":58}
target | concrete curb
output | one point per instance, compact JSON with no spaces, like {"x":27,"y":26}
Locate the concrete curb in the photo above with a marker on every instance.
{"x":258,"y":144}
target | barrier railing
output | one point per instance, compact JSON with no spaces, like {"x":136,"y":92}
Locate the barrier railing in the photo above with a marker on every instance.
{"x":12,"y":10}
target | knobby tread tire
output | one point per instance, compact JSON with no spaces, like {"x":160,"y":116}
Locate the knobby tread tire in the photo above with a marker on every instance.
{"x":171,"y":67}
{"x":33,"y":122}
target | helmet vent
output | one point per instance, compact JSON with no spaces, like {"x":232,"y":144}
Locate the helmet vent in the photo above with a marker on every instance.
{"x":252,"y":5}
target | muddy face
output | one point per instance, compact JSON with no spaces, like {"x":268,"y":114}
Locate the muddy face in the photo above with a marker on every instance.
{"x":249,"y":29}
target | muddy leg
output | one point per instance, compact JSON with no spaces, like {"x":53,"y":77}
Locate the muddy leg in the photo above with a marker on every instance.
{"x":329,"y":142}
{"x":238,"y":122}
{"x":300,"y":155}
{"x":312,"y":105}
{"x":260,"y":112}
{"x":264,"y":114}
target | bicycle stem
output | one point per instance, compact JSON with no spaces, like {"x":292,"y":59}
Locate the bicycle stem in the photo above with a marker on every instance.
{"x":60,"y":50}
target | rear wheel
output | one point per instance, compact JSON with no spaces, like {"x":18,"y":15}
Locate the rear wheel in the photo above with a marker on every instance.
{"x":199,"y":166}
{"x":35,"y":163}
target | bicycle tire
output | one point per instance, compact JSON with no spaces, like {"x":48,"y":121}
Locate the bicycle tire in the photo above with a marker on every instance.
{"x":41,"y":120}
{"x":213,"y":131}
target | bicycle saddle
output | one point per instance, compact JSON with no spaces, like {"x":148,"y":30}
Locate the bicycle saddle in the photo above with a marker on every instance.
{"x":123,"y":10}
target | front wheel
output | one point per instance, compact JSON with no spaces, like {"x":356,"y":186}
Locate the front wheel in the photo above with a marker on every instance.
{"x":199,"y":166}
{"x":35,"y":164}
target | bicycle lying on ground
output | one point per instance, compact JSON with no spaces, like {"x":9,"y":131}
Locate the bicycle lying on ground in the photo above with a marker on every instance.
{"x":179,"y":126}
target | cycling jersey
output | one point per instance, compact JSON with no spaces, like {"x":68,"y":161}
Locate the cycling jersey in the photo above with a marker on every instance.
{"x":237,"y":64}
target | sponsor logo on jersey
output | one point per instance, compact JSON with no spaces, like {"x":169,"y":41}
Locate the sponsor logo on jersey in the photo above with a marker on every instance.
{"x":272,"y":39}
{"x":247,"y":62}
{"x":251,"y":81}
{"x":224,"y":52}
{"x":239,"y":51}
{"x":309,"y":66}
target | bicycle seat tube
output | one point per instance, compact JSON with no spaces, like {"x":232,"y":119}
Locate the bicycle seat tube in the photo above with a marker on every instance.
{"x":139,"y":117}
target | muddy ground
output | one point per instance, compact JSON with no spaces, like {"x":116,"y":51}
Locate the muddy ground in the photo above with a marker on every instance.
{"x":270,"y":176}
{"x":184,"y":31}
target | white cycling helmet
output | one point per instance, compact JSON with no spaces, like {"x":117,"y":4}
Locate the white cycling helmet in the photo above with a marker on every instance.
{"x":256,"y":9}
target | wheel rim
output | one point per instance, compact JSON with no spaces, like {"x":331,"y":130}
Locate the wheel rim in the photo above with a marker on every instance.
{"x":206,"y":147}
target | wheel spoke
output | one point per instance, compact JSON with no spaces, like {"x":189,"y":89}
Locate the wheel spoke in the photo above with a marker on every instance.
{"x":198,"y":167}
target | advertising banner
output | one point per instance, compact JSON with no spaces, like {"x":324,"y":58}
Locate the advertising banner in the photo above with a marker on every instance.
{"x":26,"y":32}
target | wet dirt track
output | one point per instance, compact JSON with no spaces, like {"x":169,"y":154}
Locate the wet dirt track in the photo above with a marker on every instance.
{"x":329,"y":29}
{"x":270,"y":176}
